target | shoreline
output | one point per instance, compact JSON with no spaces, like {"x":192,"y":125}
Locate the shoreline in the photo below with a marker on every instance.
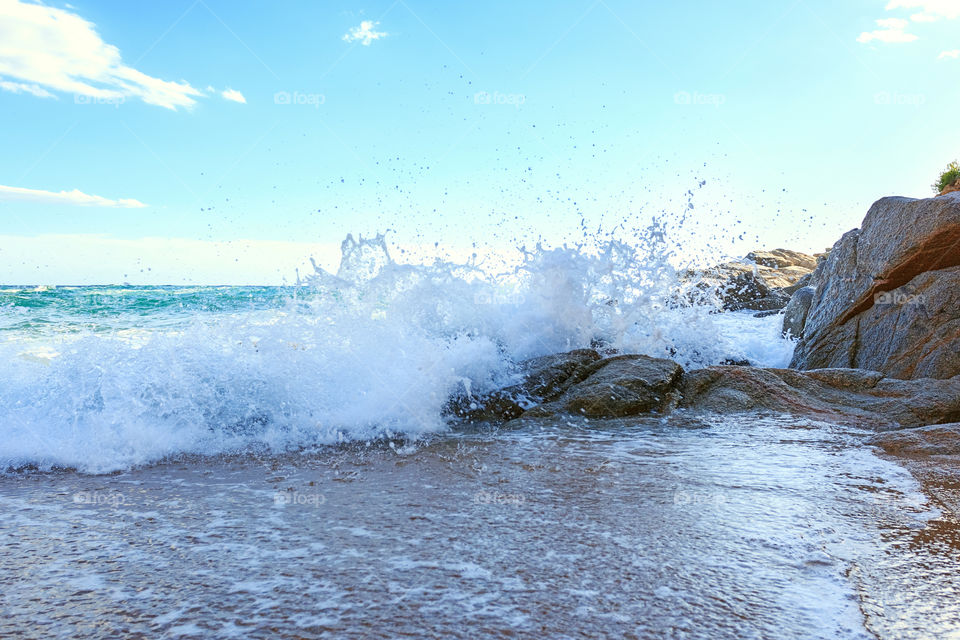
{"x":620,"y":531}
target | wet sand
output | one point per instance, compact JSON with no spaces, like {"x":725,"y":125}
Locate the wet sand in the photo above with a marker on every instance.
{"x":755,"y":527}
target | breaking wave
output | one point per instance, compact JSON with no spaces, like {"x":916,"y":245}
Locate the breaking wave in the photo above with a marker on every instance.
{"x":374,"y":350}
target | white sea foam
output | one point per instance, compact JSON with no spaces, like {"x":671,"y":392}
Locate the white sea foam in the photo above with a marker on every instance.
{"x":372,"y":351}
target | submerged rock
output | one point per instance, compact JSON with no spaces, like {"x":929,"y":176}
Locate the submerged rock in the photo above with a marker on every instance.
{"x":546,"y":375}
{"x":543,"y":379}
{"x":888,"y":294}
{"x":488,"y":407}
{"x":934,"y":440}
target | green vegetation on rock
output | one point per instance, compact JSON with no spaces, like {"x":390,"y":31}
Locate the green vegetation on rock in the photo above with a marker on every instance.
{"x":950,"y":175}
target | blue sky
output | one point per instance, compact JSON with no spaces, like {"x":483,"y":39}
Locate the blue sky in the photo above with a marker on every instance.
{"x":212,"y":141}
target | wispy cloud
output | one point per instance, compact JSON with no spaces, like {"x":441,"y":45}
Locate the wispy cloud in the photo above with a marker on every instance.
{"x":75,"y":197}
{"x":895,"y":29}
{"x":20,"y":87}
{"x":953,"y":53}
{"x":891,"y":30}
{"x":365,"y":33}
{"x":930,"y":10}
{"x":233,"y":95}
{"x":44,"y":49}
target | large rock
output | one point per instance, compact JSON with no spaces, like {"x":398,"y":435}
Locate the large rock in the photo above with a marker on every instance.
{"x":844,"y":396}
{"x":888,"y":294}
{"x":618,"y":386}
{"x":935,"y":440}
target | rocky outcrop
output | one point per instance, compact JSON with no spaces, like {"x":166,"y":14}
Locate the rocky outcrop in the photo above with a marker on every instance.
{"x":761,"y":281}
{"x":888,"y":294}
{"x":582,"y":384}
{"x":935,"y":440}
{"x":841,"y":396}
{"x":783,"y":259}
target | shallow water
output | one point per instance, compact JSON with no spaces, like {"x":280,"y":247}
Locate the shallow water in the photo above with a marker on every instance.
{"x":746,"y":527}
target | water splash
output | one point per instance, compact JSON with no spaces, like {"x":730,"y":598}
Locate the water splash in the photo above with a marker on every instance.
{"x":372,"y":351}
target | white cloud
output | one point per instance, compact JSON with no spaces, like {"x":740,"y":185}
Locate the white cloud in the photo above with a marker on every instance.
{"x":19,"y":87}
{"x":74,"y":197}
{"x":233,"y":95}
{"x":895,"y":29}
{"x":364,"y":33}
{"x":44,"y":48}
{"x":954,"y":53}
{"x":892,"y":30}
{"x":930,"y":9}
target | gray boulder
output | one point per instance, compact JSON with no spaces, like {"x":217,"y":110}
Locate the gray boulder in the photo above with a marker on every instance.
{"x":795,"y":313}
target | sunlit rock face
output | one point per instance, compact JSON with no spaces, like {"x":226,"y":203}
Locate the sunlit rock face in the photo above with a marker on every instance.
{"x":762,"y":281}
{"x":888,"y":294}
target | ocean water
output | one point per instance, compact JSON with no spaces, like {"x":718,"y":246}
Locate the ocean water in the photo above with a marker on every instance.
{"x":233,"y":462}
